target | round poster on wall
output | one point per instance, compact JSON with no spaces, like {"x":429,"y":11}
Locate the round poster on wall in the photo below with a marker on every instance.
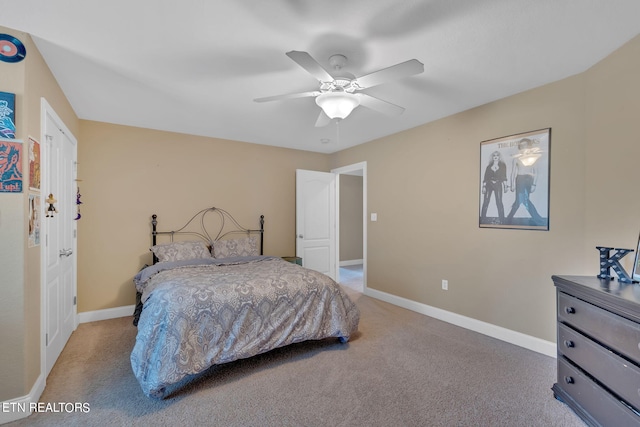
{"x":11,"y":49}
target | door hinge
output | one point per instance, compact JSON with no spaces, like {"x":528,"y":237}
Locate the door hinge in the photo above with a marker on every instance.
{"x":75,"y":233}
{"x":46,"y":339}
{"x":75,"y":300}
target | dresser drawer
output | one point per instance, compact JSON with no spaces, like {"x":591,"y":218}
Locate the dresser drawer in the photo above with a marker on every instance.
{"x":616,"y":373}
{"x":603,"y":407}
{"x":616,"y":332}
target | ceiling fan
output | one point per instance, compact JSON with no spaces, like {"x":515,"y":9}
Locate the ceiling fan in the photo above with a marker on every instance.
{"x":339,"y":95}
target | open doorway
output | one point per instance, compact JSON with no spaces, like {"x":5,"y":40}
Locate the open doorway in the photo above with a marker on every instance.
{"x":352,"y":228}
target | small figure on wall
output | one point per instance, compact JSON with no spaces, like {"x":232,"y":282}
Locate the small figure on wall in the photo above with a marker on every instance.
{"x":78,"y":203}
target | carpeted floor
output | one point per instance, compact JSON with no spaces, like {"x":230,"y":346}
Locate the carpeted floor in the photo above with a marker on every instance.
{"x":401,"y":369}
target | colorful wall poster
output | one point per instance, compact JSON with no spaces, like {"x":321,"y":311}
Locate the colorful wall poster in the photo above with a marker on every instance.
{"x":10,"y":166}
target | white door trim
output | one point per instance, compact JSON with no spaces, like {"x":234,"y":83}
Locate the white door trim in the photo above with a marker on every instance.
{"x":362,"y":166}
{"x":46,"y":109}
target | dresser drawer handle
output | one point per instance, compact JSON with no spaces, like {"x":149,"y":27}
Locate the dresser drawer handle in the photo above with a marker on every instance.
{"x":569,"y":343}
{"x":568,"y":380}
{"x":570,"y":310}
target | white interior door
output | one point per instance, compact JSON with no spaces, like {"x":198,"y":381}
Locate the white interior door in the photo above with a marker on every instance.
{"x":316,"y":220}
{"x":59,"y":243}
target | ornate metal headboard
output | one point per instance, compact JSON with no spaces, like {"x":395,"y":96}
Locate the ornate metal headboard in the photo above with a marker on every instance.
{"x":203,"y":233}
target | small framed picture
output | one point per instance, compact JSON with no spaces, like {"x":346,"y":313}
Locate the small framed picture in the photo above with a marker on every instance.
{"x":34,"y":164}
{"x":34,"y":220}
{"x":514,"y":181}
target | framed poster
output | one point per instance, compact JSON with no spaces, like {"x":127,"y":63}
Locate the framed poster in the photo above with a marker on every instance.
{"x":7,"y":115}
{"x":514,"y":181}
{"x":34,"y":220}
{"x":34,"y":164}
{"x":10,"y":166}
{"x":635,"y":273}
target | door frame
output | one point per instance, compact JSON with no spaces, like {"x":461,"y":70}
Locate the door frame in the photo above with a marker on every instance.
{"x":349,"y":170}
{"x":46,"y":109}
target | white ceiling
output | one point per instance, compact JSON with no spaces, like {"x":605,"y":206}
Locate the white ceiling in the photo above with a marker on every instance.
{"x":195,"y":66}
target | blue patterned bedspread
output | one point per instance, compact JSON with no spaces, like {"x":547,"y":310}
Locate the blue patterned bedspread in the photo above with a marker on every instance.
{"x":201,"y":313}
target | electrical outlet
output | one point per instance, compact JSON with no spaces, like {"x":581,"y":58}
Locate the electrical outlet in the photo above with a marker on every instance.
{"x":445,"y":285}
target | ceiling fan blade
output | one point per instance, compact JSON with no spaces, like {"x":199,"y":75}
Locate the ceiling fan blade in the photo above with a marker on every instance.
{"x":323,"y":120}
{"x":395,"y":72}
{"x":379,"y":105}
{"x":288,"y":96}
{"x":312,"y":66}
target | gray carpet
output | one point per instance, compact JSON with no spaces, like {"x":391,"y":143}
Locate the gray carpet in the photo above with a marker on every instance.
{"x":401,"y":369}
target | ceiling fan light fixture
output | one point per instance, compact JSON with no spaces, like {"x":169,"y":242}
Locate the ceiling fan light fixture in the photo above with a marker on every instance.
{"x":337,"y":105}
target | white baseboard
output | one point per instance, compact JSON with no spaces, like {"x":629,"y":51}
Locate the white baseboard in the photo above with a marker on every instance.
{"x":517,"y":338}
{"x":351,"y":262}
{"x":522,"y":340}
{"x":20,"y":407}
{"x":107,"y":313}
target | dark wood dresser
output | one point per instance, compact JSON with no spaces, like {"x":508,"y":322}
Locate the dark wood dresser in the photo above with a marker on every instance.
{"x":599,"y":349}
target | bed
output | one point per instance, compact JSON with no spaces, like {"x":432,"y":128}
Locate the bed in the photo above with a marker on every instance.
{"x":210,"y":301}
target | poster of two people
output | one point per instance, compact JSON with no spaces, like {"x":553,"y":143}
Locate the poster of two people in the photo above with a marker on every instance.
{"x":514,"y":181}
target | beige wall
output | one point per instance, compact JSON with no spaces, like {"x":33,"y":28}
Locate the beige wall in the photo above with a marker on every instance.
{"x":128,"y":174}
{"x":424,"y":185}
{"x":350,"y":217}
{"x":612,"y":139}
{"x":12,"y":252}
{"x":20,"y":319}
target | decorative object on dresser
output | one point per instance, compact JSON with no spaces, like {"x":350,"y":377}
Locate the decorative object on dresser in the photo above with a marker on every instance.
{"x":599,"y":349}
{"x":608,"y":261}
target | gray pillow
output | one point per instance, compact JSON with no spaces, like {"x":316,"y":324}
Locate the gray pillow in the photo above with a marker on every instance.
{"x":247,"y":246}
{"x":178,"y":251}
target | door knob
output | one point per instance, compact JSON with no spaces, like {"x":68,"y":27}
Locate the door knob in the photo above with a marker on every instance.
{"x":65,"y":252}
{"x":301,"y":236}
